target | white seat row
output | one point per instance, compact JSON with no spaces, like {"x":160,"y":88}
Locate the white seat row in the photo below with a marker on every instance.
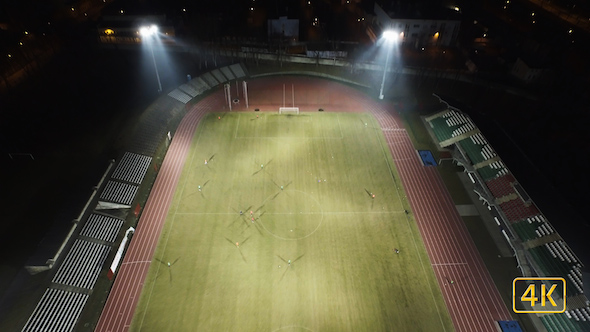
{"x":576,"y":281}
{"x":537,"y":218}
{"x":82,"y":265}
{"x":453,"y":122}
{"x":581,"y":315}
{"x":543,"y":230}
{"x":119,"y":192}
{"x":461,"y":130}
{"x":487,"y":152}
{"x":573,"y":314}
{"x":58,"y":310}
{"x":449,"y":113}
{"x":503,"y":171}
{"x":478,"y":139}
{"x":456,"y":119}
{"x":132,"y":167}
{"x":567,"y":251}
{"x":102,"y":227}
{"x":553,"y":253}
{"x":559,"y":252}
{"x":497,"y":164}
{"x":548,"y":228}
{"x":585,"y":312}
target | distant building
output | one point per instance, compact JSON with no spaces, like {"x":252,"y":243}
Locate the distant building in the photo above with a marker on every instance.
{"x":124,"y":30}
{"x":283,"y":29}
{"x":427,"y":30}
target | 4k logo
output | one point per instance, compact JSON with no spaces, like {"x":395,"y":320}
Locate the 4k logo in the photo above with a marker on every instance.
{"x":541,"y":295}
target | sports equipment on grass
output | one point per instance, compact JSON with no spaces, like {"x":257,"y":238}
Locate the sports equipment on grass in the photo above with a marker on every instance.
{"x":288,"y":110}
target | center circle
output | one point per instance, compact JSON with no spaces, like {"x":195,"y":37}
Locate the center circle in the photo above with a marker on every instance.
{"x":291,"y":215}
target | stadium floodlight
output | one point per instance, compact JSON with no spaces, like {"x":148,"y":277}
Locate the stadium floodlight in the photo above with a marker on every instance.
{"x":390,"y":36}
{"x":148,"y":32}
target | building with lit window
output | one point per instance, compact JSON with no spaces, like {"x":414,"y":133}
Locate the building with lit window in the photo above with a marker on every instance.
{"x":117,"y":31}
{"x":437,"y":28}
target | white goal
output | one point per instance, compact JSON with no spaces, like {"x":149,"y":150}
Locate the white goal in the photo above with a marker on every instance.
{"x":288,"y":110}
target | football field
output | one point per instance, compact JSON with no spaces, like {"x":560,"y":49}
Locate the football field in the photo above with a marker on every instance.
{"x":274,"y":227}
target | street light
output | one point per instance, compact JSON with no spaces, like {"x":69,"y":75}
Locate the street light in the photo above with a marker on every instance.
{"x":389,"y":36}
{"x":148,"y":32}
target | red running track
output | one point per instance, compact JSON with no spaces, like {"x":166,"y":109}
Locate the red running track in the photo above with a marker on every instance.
{"x":472,"y":300}
{"x":123,"y":298}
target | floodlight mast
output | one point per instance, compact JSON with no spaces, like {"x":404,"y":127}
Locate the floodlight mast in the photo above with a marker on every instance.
{"x":149,"y":31}
{"x":389,"y":36}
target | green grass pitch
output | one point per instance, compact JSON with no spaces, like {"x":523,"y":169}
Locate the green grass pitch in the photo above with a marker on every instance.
{"x":344,"y":274}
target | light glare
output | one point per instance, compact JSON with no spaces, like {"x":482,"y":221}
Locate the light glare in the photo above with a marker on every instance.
{"x":390,"y":35}
{"x":148,"y":31}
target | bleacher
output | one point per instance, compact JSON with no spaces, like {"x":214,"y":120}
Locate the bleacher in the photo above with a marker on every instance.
{"x":532,"y":227}
{"x":567,"y":321}
{"x":548,"y":254}
{"x":451,"y":124}
{"x":492,"y":170}
{"x":206,"y":81}
{"x":552,"y":263}
{"x":441,"y":129}
{"x":82,"y":264}
{"x":501,"y":186}
{"x":477,"y":148}
{"x":119,"y":192}
{"x":58,"y":310}
{"x":516,"y":210}
{"x":132,"y":167}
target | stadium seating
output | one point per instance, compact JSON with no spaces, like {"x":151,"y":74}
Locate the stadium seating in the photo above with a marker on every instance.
{"x":442,"y":131}
{"x":516,"y":210}
{"x":492,"y":170}
{"x":451,"y":124}
{"x":551,"y":264}
{"x":501,"y":186}
{"x":533,"y":227}
{"x":552,"y":256}
{"x":561,"y":322}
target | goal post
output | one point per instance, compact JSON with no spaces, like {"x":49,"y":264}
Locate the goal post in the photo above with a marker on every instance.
{"x":288,"y":110}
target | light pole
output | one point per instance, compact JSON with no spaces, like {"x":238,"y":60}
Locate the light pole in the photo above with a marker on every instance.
{"x":389,"y":36}
{"x":148,"y":32}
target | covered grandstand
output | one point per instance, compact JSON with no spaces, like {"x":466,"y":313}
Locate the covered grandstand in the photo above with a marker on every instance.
{"x":538,"y":248}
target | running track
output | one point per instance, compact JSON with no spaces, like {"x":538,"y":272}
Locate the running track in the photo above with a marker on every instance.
{"x":472,"y":300}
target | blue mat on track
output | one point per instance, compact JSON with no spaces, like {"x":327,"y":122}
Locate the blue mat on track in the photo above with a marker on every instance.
{"x":509,"y":326}
{"x":427,"y":158}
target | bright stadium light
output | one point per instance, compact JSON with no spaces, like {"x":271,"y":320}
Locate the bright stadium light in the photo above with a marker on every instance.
{"x":148,"y":32}
{"x":390,"y":36}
